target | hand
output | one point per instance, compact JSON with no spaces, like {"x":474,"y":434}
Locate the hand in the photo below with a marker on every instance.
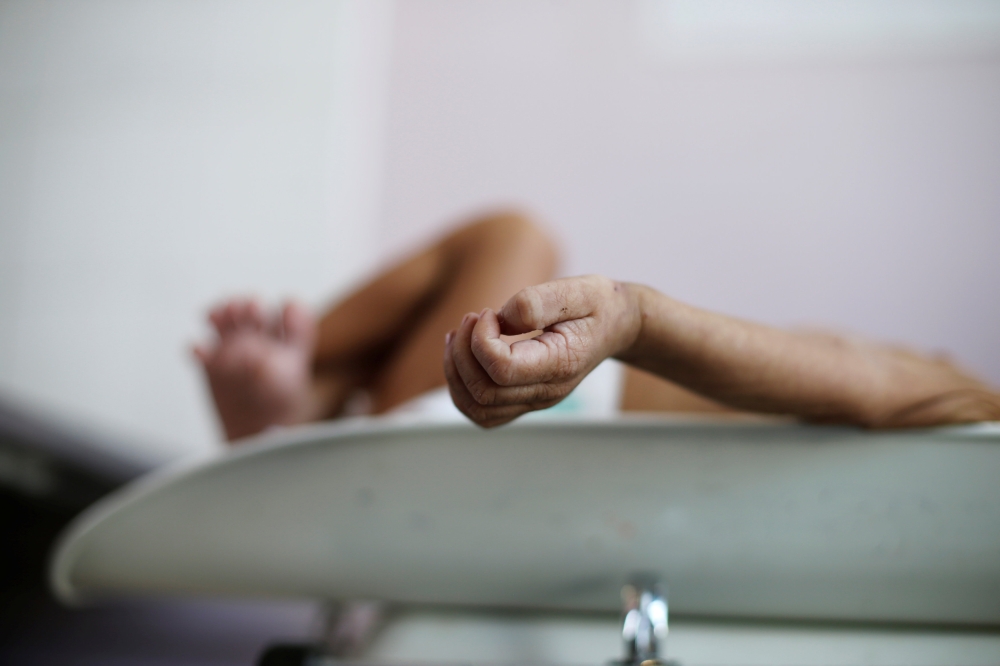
{"x":582,"y":320}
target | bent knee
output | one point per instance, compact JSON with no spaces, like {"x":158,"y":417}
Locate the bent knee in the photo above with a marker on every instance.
{"x":513,"y":231}
{"x":512,"y":223}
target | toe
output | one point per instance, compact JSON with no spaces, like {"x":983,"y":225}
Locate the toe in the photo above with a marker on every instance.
{"x":247,"y":315}
{"x":253,"y":316}
{"x":229,"y":318}
{"x":298,"y":325}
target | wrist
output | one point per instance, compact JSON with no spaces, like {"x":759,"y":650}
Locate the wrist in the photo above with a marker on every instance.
{"x":634,"y":307}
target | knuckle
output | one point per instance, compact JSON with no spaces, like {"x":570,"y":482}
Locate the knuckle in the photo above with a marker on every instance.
{"x":499,"y":371}
{"x":483,"y":418}
{"x":597,"y":279}
{"x":545,"y":404}
{"x":557,"y":392}
{"x":472,"y":411}
{"x":528,"y":303}
{"x":599,"y":285}
{"x":482,"y":393}
{"x":550,"y":393}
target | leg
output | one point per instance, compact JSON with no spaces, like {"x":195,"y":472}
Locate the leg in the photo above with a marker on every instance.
{"x":258,"y":368}
{"x":478,"y":266}
{"x":387,"y":337}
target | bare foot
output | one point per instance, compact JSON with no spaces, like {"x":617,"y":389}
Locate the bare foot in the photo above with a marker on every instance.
{"x":260,"y":367}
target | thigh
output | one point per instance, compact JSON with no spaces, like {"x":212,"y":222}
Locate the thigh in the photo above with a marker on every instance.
{"x":490,"y":263}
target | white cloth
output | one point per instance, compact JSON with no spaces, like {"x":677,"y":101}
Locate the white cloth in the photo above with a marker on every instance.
{"x":599,"y":395}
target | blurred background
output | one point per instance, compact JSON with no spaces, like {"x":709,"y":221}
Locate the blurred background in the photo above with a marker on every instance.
{"x":833,"y":162}
{"x":830,"y":162}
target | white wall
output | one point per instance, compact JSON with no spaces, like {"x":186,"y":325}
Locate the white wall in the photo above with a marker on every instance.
{"x":155,"y":156}
{"x":855,"y":190}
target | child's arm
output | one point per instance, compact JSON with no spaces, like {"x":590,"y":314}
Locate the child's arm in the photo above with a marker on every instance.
{"x":741,"y":364}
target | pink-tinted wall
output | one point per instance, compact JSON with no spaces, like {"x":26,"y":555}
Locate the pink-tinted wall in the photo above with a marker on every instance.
{"x":856,"y":192}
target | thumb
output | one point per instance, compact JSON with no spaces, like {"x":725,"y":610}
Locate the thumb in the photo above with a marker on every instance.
{"x":541,"y":306}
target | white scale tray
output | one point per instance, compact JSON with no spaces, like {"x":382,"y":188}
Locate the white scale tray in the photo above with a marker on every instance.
{"x":752,"y":520}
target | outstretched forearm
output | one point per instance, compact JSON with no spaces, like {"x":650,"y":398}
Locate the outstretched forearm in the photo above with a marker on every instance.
{"x":747,"y":366}
{"x":816,"y":377}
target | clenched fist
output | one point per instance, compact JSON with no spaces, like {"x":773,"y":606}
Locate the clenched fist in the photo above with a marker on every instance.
{"x":581,"y":320}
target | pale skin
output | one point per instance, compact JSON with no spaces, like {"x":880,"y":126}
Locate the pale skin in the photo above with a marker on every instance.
{"x":730,"y":363}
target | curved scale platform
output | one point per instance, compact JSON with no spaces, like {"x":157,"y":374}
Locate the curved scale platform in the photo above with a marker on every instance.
{"x":759,"y":520}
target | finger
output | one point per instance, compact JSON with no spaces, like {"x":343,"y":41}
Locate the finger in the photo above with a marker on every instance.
{"x":471,"y":373}
{"x":482,"y":415}
{"x":558,"y":356}
{"x":478,"y":382}
{"x":484,"y":387}
{"x":486,"y":416}
{"x":478,"y":414}
{"x":541,"y":306}
{"x":518,"y":364}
